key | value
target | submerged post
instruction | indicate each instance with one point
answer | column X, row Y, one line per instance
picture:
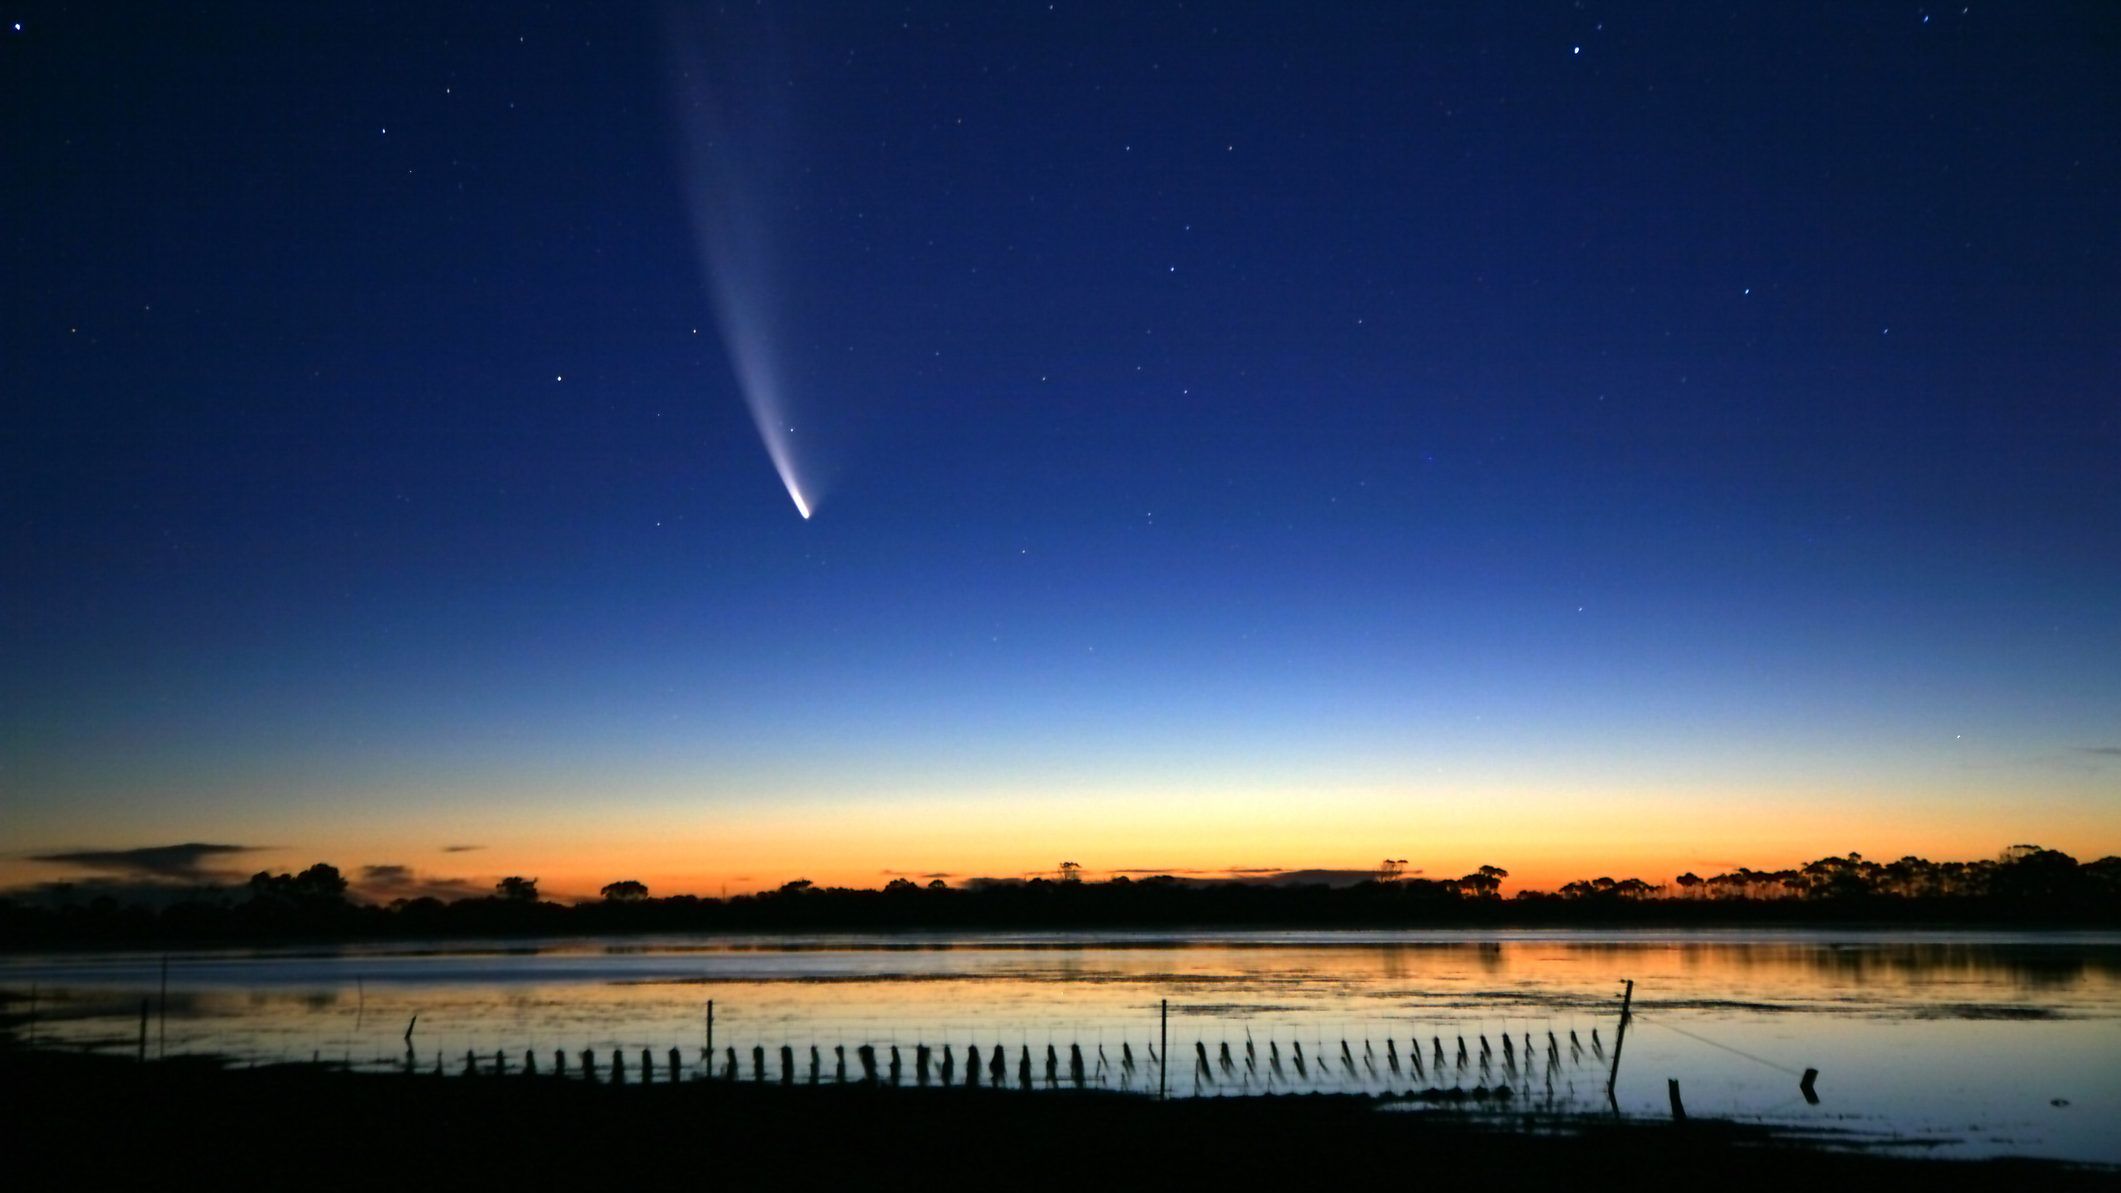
column 1804, row 1086
column 710, row 1037
column 1671, row 1086
column 1620, row 1039
column 143, row 1030
column 1163, row 1050
column 162, row 1013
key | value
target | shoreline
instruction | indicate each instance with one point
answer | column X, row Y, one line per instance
column 91, row 1115
column 1083, row 935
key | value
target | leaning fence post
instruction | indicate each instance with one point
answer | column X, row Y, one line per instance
column 1671, row 1085
column 1620, row 1038
column 676, row 1064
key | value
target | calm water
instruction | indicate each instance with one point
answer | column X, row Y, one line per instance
column 1970, row 1043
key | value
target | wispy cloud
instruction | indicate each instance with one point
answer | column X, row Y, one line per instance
column 916, row 874
column 460, row 848
column 2102, row 751
column 165, row 863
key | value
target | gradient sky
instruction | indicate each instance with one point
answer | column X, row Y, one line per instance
column 1584, row 438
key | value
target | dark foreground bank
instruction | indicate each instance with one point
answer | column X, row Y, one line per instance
column 74, row 1119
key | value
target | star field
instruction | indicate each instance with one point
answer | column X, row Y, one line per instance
column 1395, row 427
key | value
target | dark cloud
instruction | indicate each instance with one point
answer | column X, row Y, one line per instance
column 460, row 848
column 185, row 863
column 389, row 881
column 130, row 892
column 916, row 874
column 2102, row 751
column 1160, row 870
column 1306, row 877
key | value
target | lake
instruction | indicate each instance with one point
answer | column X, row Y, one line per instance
column 1962, row 1043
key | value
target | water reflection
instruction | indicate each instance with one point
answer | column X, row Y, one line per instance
column 1927, row 1035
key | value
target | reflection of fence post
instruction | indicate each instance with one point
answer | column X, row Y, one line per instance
column 1163, row 1050
column 143, row 1030
column 162, row 1013
column 1620, row 1039
column 710, row 1037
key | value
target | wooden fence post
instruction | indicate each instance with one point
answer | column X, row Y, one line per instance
column 1163, row 1050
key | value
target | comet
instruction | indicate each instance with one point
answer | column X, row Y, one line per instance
column 733, row 149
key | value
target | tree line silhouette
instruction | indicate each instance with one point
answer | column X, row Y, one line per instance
column 2026, row 885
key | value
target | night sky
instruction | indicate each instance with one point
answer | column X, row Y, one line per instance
column 1585, row 438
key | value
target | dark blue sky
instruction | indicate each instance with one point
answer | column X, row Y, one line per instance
column 1396, row 424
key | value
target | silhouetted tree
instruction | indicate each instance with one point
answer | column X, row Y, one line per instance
column 625, row 891
column 320, row 884
column 516, row 889
column 1485, row 883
